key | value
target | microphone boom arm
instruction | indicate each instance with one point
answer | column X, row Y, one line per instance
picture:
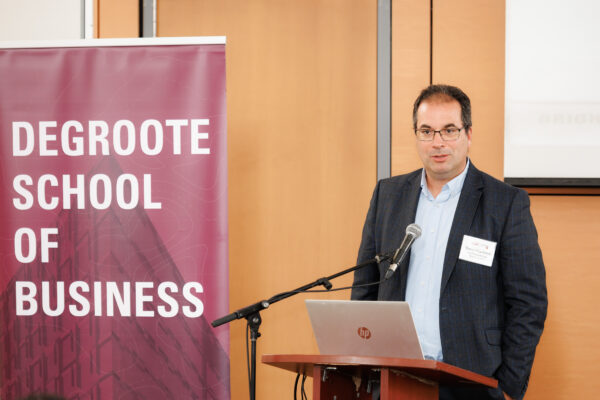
column 325, row 282
column 252, row 312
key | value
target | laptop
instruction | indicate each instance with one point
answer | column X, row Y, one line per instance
column 364, row 328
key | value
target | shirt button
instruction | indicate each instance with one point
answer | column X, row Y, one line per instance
column 428, row 257
column 422, row 283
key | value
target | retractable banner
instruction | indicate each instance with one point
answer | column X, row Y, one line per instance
column 113, row 229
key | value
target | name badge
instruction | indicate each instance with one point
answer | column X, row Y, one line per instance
column 479, row 251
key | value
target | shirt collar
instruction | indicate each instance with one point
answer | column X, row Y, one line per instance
column 454, row 186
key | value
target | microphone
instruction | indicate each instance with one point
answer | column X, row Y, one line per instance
column 413, row 231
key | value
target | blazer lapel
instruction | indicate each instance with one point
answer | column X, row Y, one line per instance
column 410, row 194
column 463, row 218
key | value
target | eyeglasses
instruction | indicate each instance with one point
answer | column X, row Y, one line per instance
column 447, row 134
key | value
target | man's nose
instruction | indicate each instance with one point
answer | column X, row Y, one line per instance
column 437, row 139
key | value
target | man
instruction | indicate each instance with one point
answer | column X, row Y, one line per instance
column 475, row 279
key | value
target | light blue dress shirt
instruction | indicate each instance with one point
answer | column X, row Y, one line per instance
column 434, row 216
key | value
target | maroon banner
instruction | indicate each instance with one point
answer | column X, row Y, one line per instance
column 113, row 229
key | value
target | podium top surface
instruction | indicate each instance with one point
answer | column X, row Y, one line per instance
column 427, row 369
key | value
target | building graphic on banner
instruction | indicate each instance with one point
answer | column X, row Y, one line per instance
column 93, row 357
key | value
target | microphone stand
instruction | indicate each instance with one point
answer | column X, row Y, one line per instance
column 252, row 312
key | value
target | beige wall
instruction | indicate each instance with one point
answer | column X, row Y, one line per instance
column 301, row 130
column 116, row 18
column 566, row 364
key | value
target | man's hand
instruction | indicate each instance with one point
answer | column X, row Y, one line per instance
column 507, row 397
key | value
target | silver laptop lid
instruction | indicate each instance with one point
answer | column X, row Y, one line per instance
column 364, row 328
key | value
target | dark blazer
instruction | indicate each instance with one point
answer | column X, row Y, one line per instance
column 491, row 318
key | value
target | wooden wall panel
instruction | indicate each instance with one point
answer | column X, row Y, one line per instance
column 468, row 52
column 96, row 19
column 301, row 116
column 566, row 366
column 116, row 18
column 301, row 98
column 410, row 74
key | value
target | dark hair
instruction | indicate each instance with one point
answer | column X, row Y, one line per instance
column 450, row 92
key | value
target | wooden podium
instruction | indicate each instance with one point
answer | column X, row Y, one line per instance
column 346, row 377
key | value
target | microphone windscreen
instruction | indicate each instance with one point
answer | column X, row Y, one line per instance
column 413, row 229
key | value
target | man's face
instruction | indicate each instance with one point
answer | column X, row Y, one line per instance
column 443, row 160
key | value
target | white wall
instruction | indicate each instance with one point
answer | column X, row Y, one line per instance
column 41, row 19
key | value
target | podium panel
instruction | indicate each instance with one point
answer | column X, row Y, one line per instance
column 342, row 377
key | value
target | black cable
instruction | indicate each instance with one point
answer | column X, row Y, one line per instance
column 325, row 280
column 304, row 396
column 332, row 290
column 296, row 385
column 343, row 288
